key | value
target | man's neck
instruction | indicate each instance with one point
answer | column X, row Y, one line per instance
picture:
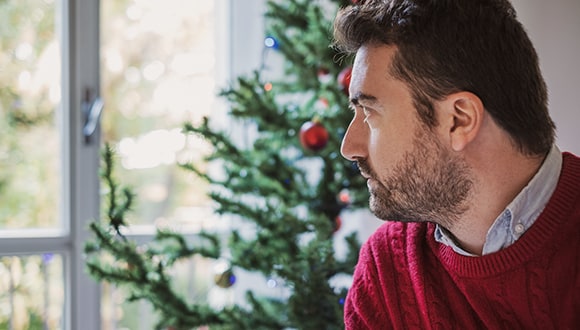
column 495, row 186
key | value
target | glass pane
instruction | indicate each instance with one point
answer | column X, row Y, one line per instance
column 29, row 99
column 158, row 71
column 31, row 292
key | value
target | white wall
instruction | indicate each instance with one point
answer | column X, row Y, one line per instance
column 554, row 27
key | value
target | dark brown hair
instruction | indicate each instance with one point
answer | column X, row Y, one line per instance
column 446, row 46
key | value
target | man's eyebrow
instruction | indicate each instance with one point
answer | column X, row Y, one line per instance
column 358, row 97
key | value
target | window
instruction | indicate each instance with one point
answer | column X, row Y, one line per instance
column 32, row 267
column 154, row 67
column 158, row 62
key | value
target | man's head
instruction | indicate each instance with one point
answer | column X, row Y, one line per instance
column 411, row 174
column 428, row 77
column 447, row 46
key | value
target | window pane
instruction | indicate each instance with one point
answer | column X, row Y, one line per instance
column 158, row 71
column 31, row 292
column 29, row 98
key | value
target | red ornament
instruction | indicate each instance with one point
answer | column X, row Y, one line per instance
column 344, row 79
column 324, row 75
column 322, row 103
column 344, row 197
column 313, row 135
column 322, row 71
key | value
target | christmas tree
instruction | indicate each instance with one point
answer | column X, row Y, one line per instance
column 289, row 186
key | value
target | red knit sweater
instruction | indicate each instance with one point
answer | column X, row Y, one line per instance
column 406, row 280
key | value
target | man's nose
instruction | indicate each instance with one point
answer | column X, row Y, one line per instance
column 354, row 143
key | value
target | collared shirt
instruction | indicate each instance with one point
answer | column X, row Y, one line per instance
column 521, row 213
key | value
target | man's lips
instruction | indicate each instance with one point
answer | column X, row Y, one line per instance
column 364, row 169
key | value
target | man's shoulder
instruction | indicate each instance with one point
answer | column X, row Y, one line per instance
column 571, row 159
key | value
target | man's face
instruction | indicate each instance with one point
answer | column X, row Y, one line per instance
column 411, row 176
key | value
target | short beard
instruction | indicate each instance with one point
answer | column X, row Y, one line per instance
column 428, row 185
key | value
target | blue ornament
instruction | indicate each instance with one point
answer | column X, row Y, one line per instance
column 270, row 42
column 232, row 279
column 224, row 276
column 47, row 258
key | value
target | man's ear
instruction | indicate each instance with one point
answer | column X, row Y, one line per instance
column 462, row 119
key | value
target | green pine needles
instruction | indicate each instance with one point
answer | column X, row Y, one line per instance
column 287, row 193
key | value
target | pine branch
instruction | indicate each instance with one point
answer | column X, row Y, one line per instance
column 174, row 247
column 117, row 206
column 143, row 271
column 267, row 185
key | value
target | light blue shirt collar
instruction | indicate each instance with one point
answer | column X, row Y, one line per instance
column 521, row 213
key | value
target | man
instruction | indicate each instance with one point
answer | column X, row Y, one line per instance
column 452, row 132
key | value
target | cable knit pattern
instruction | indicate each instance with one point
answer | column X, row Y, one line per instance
column 406, row 280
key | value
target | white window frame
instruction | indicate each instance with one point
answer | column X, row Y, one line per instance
column 81, row 160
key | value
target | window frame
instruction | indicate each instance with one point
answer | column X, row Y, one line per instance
column 81, row 71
